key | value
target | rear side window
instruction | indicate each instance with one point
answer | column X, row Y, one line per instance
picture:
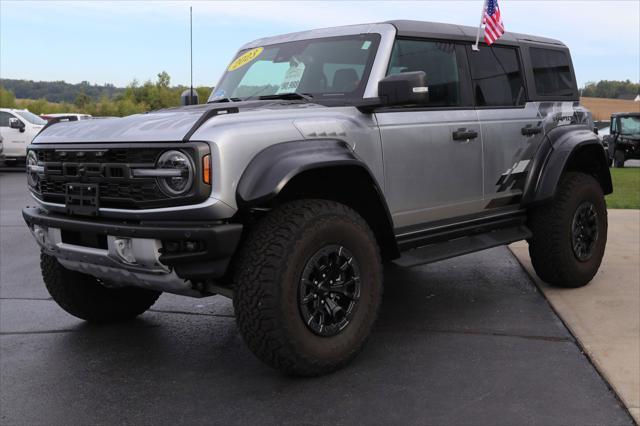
column 438, row 61
column 497, row 77
column 551, row 72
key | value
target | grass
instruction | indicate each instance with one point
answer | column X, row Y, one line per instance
column 626, row 189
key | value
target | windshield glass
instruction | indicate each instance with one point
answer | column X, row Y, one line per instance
column 630, row 125
column 31, row 118
column 328, row 68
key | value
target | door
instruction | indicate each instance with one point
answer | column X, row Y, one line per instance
column 432, row 153
column 14, row 141
column 511, row 128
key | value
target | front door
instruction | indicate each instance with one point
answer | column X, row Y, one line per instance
column 14, row 141
column 432, row 153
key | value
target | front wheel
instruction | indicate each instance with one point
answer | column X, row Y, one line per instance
column 308, row 287
column 570, row 232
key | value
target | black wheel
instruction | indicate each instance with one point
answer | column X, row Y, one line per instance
column 308, row 287
column 570, row 232
column 83, row 296
column 618, row 158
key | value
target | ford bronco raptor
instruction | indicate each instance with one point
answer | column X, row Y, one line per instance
column 318, row 157
column 623, row 142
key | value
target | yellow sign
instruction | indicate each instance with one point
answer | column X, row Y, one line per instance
column 245, row 58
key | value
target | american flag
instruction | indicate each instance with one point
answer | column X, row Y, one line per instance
column 493, row 27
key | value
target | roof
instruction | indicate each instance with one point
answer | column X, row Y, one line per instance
column 404, row 28
column 425, row 29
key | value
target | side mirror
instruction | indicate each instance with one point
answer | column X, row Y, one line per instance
column 14, row 123
column 407, row 88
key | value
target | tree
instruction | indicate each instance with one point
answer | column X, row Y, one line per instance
column 7, row 99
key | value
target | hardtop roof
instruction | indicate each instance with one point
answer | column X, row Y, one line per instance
column 423, row 29
column 408, row 28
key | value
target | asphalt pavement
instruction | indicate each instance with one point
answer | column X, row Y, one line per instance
column 464, row 341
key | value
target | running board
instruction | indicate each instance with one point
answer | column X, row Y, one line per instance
column 446, row 249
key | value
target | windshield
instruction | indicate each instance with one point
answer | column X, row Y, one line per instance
column 31, row 118
column 630, row 125
column 328, row 68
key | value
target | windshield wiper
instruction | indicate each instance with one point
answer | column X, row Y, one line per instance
column 220, row 100
column 292, row 95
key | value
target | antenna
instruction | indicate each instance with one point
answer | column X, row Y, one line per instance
column 191, row 54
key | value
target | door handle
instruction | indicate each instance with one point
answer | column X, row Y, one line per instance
column 530, row 131
column 464, row 135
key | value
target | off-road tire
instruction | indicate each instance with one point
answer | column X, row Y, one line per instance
column 83, row 296
column 550, row 248
column 618, row 158
column 267, row 284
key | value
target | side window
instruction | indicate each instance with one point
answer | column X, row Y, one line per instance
column 438, row 60
column 497, row 78
column 614, row 125
column 4, row 119
column 551, row 72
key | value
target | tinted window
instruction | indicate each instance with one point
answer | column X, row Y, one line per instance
column 4, row 118
column 497, row 78
column 437, row 60
column 551, row 72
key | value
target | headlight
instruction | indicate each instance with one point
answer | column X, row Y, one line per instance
column 182, row 181
column 32, row 163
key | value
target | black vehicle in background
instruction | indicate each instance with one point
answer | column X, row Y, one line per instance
column 624, row 139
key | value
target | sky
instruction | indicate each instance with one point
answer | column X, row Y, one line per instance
column 119, row 41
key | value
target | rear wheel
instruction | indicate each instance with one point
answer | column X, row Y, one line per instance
column 83, row 296
column 308, row 287
column 570, row 232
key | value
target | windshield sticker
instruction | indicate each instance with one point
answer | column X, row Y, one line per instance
column 245, row 58
column 292, row 77
column 219, row 93
column 366, row 45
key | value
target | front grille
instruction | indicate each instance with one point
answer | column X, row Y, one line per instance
column 110, row 168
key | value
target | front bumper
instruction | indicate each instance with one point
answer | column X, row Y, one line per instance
column 91, row 246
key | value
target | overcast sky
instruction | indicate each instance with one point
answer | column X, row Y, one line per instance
column 117, row 41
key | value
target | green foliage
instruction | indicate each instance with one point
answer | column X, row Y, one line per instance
column 611, row 89
column 626, row 189
column 7, row 99
column 58, row 91
column 133, row 99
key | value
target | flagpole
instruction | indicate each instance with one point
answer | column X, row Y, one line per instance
column 475, row 46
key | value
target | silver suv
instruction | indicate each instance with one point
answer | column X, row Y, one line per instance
column 319, row 156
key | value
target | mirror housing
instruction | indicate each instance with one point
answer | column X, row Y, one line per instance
column 14, row 123
column 189, row 97
column 407, row 88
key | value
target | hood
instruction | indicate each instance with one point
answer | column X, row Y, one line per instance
column 167, row 125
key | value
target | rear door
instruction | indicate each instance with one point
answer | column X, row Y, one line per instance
column 432, row 153
column 511, row 128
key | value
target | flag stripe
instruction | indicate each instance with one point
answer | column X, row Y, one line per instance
column 493, row 26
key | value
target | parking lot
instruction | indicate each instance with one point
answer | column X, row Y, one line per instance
column 465, row 341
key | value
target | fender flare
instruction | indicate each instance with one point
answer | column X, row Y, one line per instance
column 556, row 151
column 268, row 173
column 275, row 166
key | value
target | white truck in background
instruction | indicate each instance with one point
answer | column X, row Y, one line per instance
column 18, row 127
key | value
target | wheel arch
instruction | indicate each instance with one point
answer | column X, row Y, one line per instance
column 325, row 169
column 564, row 149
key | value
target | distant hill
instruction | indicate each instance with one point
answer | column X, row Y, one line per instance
column 58, row 91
